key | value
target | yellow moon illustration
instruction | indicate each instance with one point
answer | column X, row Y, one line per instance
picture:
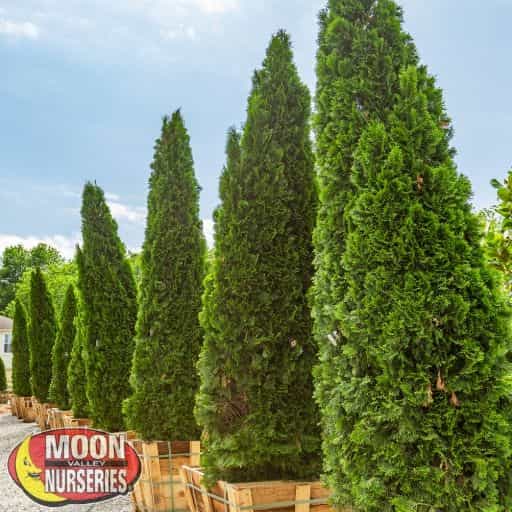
column 29, row 475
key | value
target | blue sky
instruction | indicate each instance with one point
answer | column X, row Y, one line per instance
column 85, row 83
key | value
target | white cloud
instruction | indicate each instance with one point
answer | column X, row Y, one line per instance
column 181, row 32
column 65, row 245
column 216, row 6
column 112, row 197
column 208, row 229
column 122, row 212
column 19, row 29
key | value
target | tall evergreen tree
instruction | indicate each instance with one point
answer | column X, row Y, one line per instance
column 110, row 306
column 62, row 351
column 255, row 400
column 77, row 375
column 169, row 337
column 42, row 332
column 419, row 414
column 362, row 49
column 20, row 353
column 3, row 376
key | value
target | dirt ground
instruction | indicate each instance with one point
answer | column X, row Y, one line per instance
column 12, row 498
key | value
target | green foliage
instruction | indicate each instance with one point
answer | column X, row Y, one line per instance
column 61, row 354
column 20, row 353
column 77, row 377
column 58, row 277
column 42, row 333
column 15, row 261
column 3, row 376
column 418, row 417
column 255, row 399
column 498, row 239
column 109, row 298
column 164, row 377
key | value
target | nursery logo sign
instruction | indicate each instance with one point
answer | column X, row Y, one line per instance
column 74, row 465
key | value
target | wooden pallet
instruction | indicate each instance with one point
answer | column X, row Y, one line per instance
column 70, row 421
column 160, row 488
column 275, row 496
column 56, row 417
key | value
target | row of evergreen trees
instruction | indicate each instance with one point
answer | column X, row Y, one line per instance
column 377, row 266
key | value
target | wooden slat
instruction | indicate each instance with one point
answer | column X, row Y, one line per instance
column 302, row 493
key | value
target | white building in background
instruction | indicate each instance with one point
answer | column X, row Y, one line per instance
column 6, row 341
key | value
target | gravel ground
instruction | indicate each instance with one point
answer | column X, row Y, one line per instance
column 12, row 498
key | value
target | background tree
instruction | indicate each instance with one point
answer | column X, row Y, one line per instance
column 254, row 401
column 3, row 376
column 420, row 411
column 61, row 354
column 498, row 239
column 169, row 337
column 77, row 376
column 42, row 331
column 110, row 307
column 15, row 261
column 58, row 276
column 20, row 353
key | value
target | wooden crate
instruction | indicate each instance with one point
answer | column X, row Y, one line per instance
column 275, row 496
column 14, row 405
column 160, row 488
column 5, row 397
column 56, row 417
column 42, row 418
column 26, row 409
column 70, row 421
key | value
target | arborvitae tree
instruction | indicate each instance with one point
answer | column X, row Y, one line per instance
column 255, row 400
column 42, row 336
column 62, row 351
column 110, row 308
column 77, row 376
column 20, row 353
column 419, row 414
column 362, row 49
column 164, row 376
column 3, row 376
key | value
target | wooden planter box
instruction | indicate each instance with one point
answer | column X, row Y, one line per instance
column 25, row 409
column 5, row 397
column 276, row 496
column 14, row 405
column 70, row 421
column 56, row 417
column 42, row 419
column 160, row 488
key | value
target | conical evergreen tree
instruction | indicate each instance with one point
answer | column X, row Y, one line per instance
column 77, row 376
column 20, row 353
column 362, row 49
column 62, row 351
column 255, row 400
column 42, row 336
column 419, row 414
column 169, row 337
column 110, row 308
column 3, row 376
